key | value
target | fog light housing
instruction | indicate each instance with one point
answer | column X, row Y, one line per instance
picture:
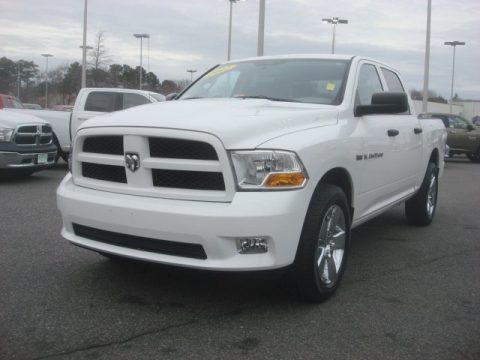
column 252, row 245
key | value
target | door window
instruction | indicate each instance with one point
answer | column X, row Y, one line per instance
column 368, row 84
column 393, row 82
column 131, row 100
column 457, row 122
column 102, row 101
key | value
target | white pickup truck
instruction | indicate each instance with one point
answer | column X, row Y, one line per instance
column 90, row 102
column 262, row 163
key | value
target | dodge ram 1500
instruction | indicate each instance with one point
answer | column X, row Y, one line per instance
column 262, row 163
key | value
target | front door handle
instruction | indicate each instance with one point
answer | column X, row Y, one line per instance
column 393, row 132
column 417, row 130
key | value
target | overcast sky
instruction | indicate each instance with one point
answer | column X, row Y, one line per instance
column 192, row 34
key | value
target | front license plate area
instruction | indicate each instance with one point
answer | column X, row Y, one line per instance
column 42, row 158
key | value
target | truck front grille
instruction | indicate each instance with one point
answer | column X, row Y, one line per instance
column 200, row 180
column 194, row 251
column 181, row 149
column 104, row 172
column 167, row 163
column 104, row 145
column 33, row 135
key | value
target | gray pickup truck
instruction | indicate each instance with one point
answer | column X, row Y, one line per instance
column 26, row 144
column 463, row 137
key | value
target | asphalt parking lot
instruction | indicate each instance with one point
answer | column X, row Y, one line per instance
column 408, row 293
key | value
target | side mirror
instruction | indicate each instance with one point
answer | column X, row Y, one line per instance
column 470, row 127
column 384, row 103
column 171, row 96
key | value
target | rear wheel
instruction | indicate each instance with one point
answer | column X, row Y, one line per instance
column 324, row 242
column 420, row 209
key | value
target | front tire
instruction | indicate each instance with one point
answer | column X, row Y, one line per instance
column 475, row 157
column 420, row 209
column 323, row 247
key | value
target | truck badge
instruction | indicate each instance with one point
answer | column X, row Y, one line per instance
column 132, row 161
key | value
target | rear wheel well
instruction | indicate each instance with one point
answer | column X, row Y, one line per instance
column 341, row 178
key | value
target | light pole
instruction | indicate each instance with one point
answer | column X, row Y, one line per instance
column 141, row 37
column 46, row 78
column 84, row 64
column 18, row 80
column 261, row 28
column 191, row 71
column 454, row 44
column 84, row 47
column 427, row 60
column 230, row 28
column 334, row 21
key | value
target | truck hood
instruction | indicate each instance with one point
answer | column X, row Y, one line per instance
column 11, row 119
column 238, row 123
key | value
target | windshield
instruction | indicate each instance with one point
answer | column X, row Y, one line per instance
column 317, row 81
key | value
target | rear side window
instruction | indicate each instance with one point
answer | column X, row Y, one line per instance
column 131, row 100
column 368, row 84
column 393, row 82
column 103, row 101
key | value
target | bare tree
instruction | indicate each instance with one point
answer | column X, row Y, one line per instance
column 99, row 58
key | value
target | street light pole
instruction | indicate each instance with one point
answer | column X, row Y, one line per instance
column 229, row 51
column 141, row 37
column 18, row 80
column 427, row 60
column 191, row 71
column 454, row 44
column 84, row 47
column 46, row 78
column 261, row 28
column 334, row 21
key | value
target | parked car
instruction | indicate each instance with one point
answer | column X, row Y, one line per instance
column 26, row 144
column 463, row 137
column 262, row 163
column 90, row 102
column 9, row 101
column 32, row 106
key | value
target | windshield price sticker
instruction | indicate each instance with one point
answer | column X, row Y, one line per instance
column 220, row 70
column 330, row 87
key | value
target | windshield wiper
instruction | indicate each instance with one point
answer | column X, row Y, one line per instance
column 266, row 98
column 191, row 98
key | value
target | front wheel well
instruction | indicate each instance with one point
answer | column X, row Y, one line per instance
column 435, row 157
column 340, row 177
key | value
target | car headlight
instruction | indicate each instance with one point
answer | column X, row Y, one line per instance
column 268, row 170
column 6, row 134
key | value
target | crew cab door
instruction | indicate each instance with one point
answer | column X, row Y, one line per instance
column 392, row 151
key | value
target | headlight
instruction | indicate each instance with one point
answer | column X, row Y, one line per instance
column 268, row 170
column 6, row 134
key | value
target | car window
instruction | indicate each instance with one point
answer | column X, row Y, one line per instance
column 393, row 82
column 102, row 101
column 368, row 84
column 457, row 122
column 131, row 100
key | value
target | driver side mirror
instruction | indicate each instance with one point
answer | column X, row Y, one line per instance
column 384, row 103
column 470, row 127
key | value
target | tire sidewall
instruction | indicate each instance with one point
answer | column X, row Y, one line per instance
column 307, row 276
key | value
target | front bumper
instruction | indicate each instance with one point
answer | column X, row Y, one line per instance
column 31, row 159
column 215, row 226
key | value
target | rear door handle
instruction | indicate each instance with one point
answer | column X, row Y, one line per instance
column 417, row 130
column 82, row 118
column 393, row 132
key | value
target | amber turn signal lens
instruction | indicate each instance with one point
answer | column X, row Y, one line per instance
column 294, row 179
